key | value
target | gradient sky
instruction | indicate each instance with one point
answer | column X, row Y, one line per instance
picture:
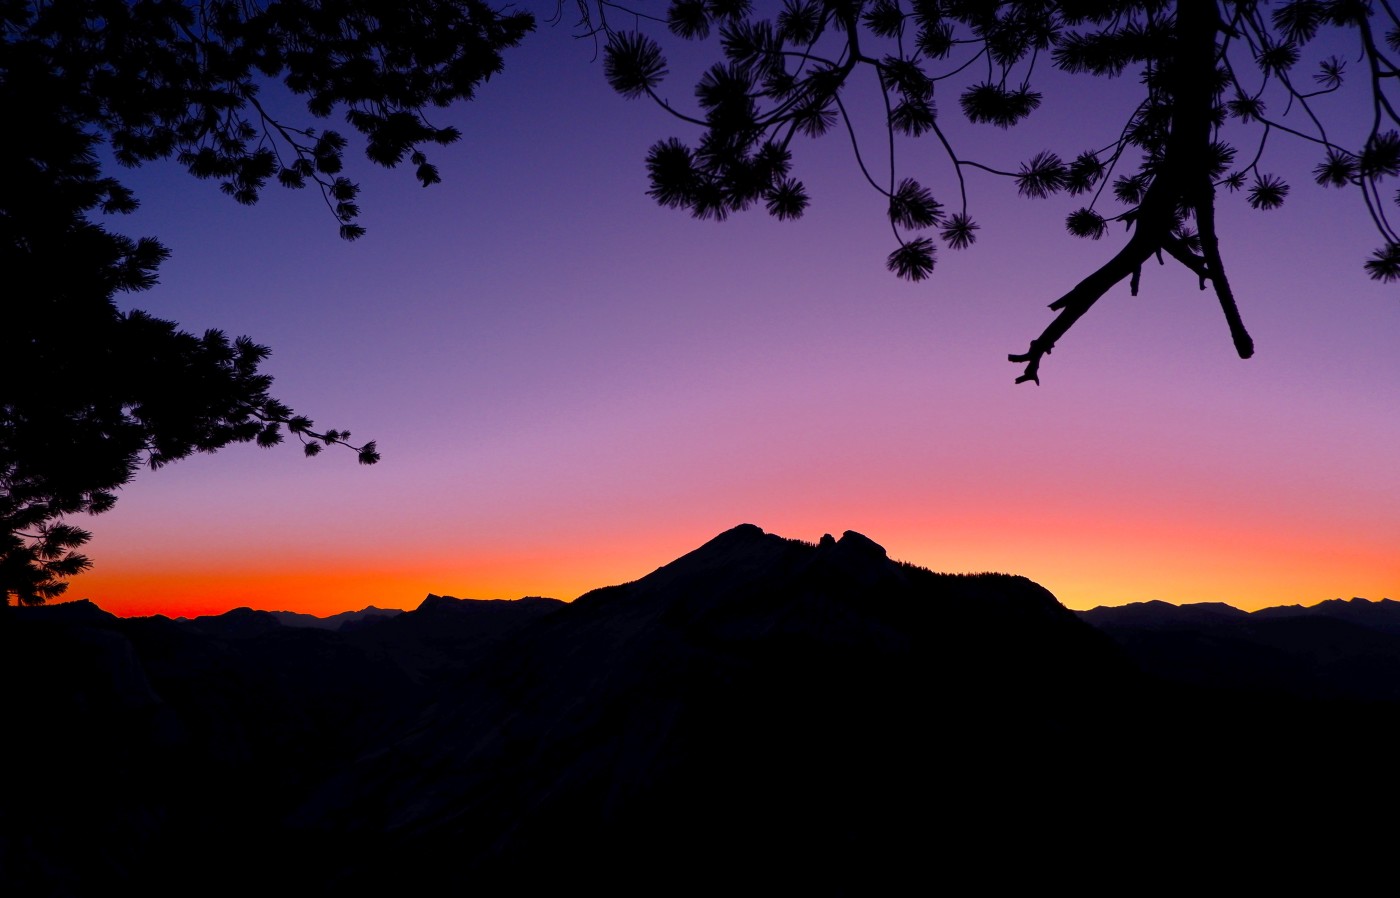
column 571, row 386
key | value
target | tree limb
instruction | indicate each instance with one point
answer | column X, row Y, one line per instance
column 1182, row 180
column 1210, row 250
column 1082, row 297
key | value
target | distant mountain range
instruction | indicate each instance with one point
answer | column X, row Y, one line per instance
column 1333, row 650
column 759, row 714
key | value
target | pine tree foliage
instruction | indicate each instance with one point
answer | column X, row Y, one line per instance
column 160, row 79
column 1218, row 80
column 90, row 392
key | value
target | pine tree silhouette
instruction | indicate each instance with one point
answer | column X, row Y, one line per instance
column 90, row 392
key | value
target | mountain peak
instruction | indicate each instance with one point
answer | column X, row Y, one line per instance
column 743, row 533
column 861, row 545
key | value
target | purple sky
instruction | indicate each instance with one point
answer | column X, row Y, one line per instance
column 571, row 385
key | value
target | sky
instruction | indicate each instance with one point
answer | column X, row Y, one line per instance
column 572, row 386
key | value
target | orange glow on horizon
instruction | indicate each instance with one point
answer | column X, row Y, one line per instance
column 1085, row 561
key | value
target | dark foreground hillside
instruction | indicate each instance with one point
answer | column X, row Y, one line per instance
column 761, row 713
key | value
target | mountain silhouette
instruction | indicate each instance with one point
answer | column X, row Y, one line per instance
column 1382, row 615
column 444, row 634
column 761, row 712
column 1342, row 650
column 757, row 702
column 335, row 621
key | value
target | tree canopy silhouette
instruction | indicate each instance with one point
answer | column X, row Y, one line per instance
column 91, row 392
column 1218, row 79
